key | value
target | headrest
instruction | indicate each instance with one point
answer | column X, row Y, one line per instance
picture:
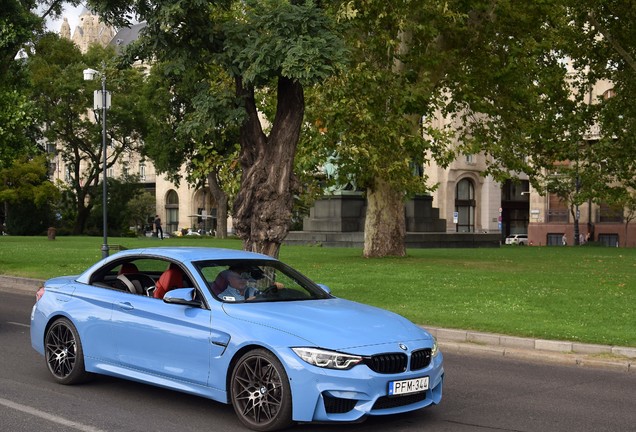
column 127, row 268
column 220, row 283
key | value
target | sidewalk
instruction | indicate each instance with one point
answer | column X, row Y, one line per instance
column 469, row 342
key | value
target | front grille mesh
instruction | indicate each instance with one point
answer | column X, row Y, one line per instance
column 390, row 363
column 386, row 402
column 420, row 359
column 387, row 363
column 334, row 405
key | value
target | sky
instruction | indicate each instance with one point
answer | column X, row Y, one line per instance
column 70, row 12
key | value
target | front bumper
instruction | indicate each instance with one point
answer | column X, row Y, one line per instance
column 325, row 395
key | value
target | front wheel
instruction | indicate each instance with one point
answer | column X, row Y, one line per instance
column 261, row 395
column 63, row 351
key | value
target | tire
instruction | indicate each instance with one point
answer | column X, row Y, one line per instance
column 260, row 392
column 63, row 353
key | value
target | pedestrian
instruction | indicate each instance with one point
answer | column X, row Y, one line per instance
column 158, row 229
column 564, row 240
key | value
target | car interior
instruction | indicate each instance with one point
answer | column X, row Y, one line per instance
column 142, row 277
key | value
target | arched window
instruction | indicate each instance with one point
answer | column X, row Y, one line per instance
column 465, row 206
column 203, row 207
column 172, row 211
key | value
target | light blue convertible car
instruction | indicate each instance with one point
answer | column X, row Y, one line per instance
column 238, row 328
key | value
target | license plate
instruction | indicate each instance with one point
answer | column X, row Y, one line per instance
column 415, row 385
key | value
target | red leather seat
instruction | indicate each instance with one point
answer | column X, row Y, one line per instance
column 170, row 279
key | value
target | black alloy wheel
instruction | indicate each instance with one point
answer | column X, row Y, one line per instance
column 261, row 394
column 63, row 352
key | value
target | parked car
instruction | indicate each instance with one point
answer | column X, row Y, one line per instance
column 291, row 352
column 517, row 239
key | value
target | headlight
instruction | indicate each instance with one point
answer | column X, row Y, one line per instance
column 435, row 349
column 327, row 359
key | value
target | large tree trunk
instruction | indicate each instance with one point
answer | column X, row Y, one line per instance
column 384, row 226
column 83, row 213
column 263, row 207
column 385, row 223
column 220, row 197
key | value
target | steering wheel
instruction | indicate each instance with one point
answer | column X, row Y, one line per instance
column 270, row 291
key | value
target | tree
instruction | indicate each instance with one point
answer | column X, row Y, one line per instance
column 21, row 24
column 63, row 99
column 121, row 193
column 141, row 209
column 481, row 76
column 513, row 79
column 270, row 49
column 26, row 187
column 603, row 50
column 180, row 132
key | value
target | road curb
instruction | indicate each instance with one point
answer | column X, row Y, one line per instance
column 559, row 352
column 609, row 357
column 15, row 283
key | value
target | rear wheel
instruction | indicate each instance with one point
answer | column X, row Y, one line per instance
column 260, row 392
column 63, row 352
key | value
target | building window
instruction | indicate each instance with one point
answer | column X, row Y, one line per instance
column 469, row 158
column 607, row 94
column 465, row 206
column 608, row 240
column 610, row 214
column 142, row 170
column 172, row 211
column 555, row 239
column 557, row 209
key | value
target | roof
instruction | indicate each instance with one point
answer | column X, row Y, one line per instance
column 193, row 253
column 127, row 35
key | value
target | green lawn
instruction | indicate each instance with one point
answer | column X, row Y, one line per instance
column 585, row 294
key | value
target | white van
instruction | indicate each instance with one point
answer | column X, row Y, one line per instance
column 517, row 239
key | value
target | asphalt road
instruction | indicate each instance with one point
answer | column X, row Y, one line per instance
column 482, row 393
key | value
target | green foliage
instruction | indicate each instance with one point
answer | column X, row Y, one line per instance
column 15, row 117
column 279, row 37
column 27, row 180
column 62, row 99
column 121, row 193
column 141, row 209
column 28, row 194
column 20, row 26
column 26, row 218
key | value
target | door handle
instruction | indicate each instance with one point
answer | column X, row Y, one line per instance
column 125, row 306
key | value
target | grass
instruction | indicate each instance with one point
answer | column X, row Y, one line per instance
column 584, row 294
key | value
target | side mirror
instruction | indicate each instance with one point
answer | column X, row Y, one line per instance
column 182, row 296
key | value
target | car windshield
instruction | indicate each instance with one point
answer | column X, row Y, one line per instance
column 257, row 281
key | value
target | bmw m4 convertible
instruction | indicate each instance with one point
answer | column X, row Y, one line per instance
column 239, row 328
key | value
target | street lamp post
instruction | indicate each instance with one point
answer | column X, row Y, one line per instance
column 101, row 101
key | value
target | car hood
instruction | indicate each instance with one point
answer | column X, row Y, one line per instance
column 332, row 323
